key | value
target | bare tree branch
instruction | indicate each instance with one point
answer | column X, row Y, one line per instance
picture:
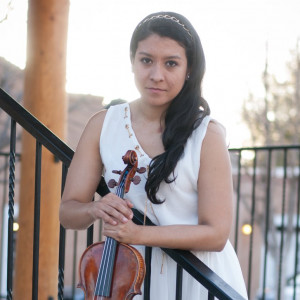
column 9, row 7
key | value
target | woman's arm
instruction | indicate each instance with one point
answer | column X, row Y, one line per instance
column 214, row 206
column 77, row 211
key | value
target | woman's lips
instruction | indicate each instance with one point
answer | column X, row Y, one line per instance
column 155, row 90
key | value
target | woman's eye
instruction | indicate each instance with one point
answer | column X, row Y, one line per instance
column 171, row 63
column 146, row 60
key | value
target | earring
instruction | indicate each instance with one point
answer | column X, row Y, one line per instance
column 188, row 76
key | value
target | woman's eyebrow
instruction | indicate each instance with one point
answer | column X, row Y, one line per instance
column 144, row 53
column 167, row 57
column 174, row 57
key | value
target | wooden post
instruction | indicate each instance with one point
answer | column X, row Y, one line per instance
column 45, row 98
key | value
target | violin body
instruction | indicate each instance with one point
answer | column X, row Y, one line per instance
column 129, row 270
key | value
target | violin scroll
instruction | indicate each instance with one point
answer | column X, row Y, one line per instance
column 131, row 159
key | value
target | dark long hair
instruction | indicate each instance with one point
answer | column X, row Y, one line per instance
column 188, row 108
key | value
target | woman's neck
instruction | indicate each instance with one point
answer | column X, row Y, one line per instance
column 141, row 111
column 148, row 126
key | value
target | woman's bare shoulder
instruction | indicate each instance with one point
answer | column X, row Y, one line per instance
column 98, row 118
column 216, row 130
column 95, row 123
column 214, row 152
column 93, row 127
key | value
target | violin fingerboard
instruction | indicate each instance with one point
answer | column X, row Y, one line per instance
column 104, row 280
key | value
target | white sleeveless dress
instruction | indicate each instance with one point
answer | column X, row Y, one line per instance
column 180, row 206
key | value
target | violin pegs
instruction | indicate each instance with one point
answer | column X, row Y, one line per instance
column 141, row 170
column 117, row 172
column 112, row 183
column 136, row 180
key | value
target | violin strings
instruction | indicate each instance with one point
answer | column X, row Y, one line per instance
column 107, row 282
column 107, row 261
column 108, row 274
column 103, row 266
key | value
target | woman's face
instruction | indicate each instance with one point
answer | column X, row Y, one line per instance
column 160, row 69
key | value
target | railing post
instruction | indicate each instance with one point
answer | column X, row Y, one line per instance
column 179, row 282
column 238, row 193
column 62, row 244
column 147, row 281
column 3, row 255
column 297, row 231
column 252, row 223
column 37, row 207
column 283, row 203
column 61, row 263
column 267, row 222
column 11, row 195
column 90, row 233
column 210, row 296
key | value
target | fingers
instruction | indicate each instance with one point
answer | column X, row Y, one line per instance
column 129, row 203
column 121, row 232
column 112, row 209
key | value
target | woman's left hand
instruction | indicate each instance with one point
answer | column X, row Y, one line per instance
column 123, row 232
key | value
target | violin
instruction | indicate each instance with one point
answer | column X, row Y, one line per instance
column 112, row 270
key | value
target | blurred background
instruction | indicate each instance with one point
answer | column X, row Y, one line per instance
column 239, row 39
column 65, row 60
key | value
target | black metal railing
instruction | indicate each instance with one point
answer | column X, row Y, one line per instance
column 45, row 138
column 267, row 188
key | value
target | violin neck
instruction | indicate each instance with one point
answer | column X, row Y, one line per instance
column 104, row 280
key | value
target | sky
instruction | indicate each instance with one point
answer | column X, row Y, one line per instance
column 234, row 35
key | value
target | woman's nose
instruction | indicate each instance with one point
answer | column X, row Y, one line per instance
column 157, row 73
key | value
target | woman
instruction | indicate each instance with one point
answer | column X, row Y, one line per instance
column 187, row 190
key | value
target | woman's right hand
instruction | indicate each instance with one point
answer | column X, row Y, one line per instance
column 112, row 209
